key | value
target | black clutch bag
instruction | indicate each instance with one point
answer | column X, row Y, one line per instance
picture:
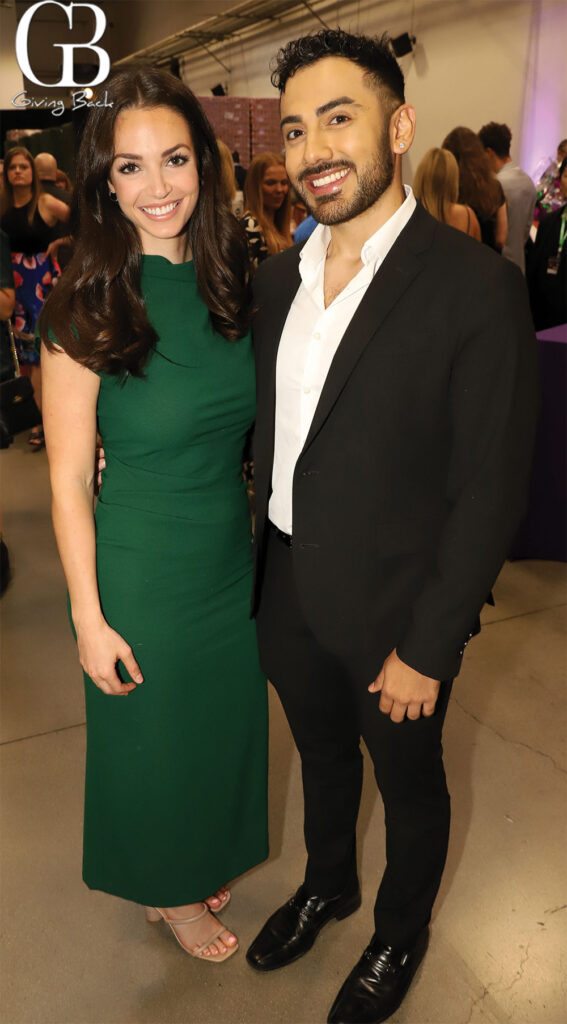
column 18, row 410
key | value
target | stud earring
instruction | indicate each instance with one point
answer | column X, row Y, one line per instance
column 402, row 145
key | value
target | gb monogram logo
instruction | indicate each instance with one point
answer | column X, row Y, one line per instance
column 66, row 80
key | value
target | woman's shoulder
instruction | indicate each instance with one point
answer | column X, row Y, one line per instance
column 465, row 219
column 458, row 216
column 51, row 209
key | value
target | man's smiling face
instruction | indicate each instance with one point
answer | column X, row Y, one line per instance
column 336, row 135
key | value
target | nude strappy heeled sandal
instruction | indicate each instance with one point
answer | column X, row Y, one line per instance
column 224, row 903
column 154, row 914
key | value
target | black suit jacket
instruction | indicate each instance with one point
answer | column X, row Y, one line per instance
column 412, row 479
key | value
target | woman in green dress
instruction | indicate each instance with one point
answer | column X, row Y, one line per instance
column 147, row 334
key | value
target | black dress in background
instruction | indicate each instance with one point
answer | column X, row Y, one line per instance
column 488, row 224
column 548, row 292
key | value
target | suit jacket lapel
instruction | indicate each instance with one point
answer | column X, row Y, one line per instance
column 401, row 266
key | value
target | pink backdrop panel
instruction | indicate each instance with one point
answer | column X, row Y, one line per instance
column 230, row 118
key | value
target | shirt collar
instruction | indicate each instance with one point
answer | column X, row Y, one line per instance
column 375, row 248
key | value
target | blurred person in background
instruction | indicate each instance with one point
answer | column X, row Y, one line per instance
column 436, row 185
column 29, row 221
column 63, row 181
column 268, row 207
column 7, row 302
column 46, row 167
column 549, row 196
column 233, row 196
column 519, row 190
column 239, row 171
column 305, row 229
column 479, row 187
column 298, row 211
column 547, row 264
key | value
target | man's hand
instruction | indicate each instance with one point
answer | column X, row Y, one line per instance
column 403, row 691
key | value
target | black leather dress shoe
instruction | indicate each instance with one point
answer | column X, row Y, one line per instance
column 292, row 930
column 377, row 985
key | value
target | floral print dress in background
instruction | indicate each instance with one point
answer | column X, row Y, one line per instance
column 35, row 274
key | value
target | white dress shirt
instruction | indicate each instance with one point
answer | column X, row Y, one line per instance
column 310, row 338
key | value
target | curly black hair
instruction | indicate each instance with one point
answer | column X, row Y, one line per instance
column 496, row 137
column 373, row 54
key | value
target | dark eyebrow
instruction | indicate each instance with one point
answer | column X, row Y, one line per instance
column 324, row 109
column 136, row 156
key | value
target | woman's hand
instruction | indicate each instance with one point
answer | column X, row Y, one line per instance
column 53, row 247
column 100, row 647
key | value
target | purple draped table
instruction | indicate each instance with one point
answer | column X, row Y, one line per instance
column 543, row 533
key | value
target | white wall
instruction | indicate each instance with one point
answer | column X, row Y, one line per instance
column 475, row 61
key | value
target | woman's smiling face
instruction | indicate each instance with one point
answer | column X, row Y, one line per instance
column 155, row 176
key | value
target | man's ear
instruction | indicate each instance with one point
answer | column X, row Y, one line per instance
column 402, row 129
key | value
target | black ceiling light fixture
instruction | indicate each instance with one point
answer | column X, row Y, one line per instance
column 403, row 44
column 218, row 90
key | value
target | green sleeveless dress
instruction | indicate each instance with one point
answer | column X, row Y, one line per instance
column 176, row 777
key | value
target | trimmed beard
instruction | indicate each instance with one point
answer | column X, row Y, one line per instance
column 374, row 179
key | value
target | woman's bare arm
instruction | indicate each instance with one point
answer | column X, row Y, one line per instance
column 70, row 393
column 7, row 302
column 52, row 210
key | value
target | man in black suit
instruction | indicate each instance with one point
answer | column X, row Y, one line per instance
column 396, row 406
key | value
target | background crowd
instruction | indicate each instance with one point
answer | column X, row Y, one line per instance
column 470, row 182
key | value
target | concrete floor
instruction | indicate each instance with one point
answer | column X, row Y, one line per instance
column 71, row 956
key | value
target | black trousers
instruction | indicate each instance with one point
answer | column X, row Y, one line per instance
column 328, row 707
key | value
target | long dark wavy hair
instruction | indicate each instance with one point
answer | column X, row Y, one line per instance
column 97, row 313
column 478, row 186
